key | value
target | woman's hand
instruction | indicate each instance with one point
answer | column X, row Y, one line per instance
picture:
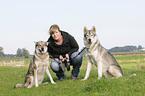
column 67, row 56
column 63, row 59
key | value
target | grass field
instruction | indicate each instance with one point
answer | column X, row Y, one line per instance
column 124, row 86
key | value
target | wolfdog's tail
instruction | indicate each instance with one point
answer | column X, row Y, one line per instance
column 19, row 85
column 132, row 75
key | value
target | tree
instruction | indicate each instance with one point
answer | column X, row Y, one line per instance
column 22, row 52
column 25, row 53
column 1, row 52
column 140, row 47
column 19, row 52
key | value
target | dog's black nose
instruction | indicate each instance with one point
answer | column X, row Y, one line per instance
column 89, row 40
column 42, row 49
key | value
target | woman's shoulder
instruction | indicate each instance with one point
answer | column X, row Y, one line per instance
column 66, row 34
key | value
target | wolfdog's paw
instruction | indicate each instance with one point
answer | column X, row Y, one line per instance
column 53, row 82
column 29, row 86
column 36, row 85
column 45, row 83
column 83, row 79
column 99, row 78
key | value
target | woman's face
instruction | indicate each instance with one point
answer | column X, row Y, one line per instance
column 56, row 35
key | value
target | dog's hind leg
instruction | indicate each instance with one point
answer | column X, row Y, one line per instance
column 115, row 71
column 30, row 82
column 19, row 85
column 107, row 74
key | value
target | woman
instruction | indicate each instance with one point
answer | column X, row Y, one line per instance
column 63, row 46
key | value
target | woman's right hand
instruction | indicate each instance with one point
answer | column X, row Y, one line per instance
column 61, row 58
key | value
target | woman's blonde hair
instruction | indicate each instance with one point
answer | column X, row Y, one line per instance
column 53, row 28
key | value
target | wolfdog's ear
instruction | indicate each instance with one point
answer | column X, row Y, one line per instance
column 36, row 43
column 94, row 29
column 85, row 30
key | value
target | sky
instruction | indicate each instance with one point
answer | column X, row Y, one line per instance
column 118, row 22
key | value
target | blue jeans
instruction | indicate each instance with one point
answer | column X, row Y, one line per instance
column 76, row 63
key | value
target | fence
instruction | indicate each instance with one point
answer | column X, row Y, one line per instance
column 12, row 63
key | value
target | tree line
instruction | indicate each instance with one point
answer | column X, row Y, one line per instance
column 20, row 53
column 126, row 49
column 122, row 49
column 25, row 53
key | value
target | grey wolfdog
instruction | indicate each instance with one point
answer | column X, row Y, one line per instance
column 99, row 56
column 38, row 65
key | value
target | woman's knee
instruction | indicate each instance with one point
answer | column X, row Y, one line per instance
column 54, row 66
column 78, row 59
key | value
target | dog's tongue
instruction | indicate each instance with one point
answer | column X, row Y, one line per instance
column 42, row 51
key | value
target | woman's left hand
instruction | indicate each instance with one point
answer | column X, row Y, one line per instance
column 67, row 56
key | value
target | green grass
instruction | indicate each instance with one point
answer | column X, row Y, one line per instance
column 124, row 86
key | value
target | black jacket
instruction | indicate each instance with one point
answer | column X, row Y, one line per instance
column 68, row 46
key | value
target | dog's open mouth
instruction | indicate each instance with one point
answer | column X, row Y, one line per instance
column 42, row 50
column 89, row 42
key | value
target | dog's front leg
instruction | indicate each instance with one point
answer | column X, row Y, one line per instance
column 35, row 76
column 89, row 66
column 48, row 73
column 99, row 64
